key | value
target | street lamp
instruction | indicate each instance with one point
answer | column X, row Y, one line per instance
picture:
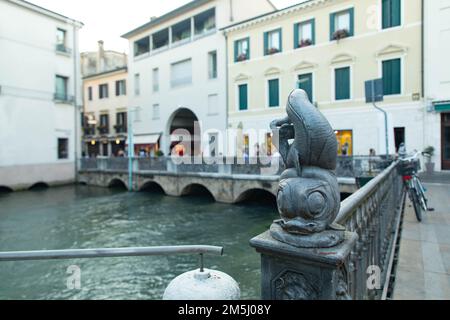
column 131, row 113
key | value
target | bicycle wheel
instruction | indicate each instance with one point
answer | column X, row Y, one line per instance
column 421, row 192
column 416, row 203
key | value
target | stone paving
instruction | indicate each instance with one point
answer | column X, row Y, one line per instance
column 423, row 271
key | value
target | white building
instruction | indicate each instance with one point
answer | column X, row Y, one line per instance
column 437, row 79
column 39, row 94
column 178, row 70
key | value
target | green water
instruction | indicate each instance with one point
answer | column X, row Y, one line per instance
column 86, row 217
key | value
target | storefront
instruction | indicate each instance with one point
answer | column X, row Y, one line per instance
column 345, row 142
column 93, row 148
column 118, row 147
column 146, row 145
column 444, row 109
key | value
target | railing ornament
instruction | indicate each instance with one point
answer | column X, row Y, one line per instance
column 308, row 196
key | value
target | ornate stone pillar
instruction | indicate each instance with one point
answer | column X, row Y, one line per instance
column 305, row 254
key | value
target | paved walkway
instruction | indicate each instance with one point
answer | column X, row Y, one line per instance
column 423, row 271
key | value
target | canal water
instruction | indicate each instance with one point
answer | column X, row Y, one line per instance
column 82, row 217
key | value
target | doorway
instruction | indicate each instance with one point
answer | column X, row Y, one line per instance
column 399, row 135
column 445, row 140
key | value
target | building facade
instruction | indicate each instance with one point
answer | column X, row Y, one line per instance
column 330, row 48
column 177, row 73
column 104, row 119
column 40, row 96
column 437, row 79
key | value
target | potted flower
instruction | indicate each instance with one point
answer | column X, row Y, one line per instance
column 428, row 153
column 242, row 57
column 305, row 43
column 340, row 34
column 273, row 50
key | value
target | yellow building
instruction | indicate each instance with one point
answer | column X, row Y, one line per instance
column 330, row 48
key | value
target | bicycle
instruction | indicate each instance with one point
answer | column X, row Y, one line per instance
column 410, row 166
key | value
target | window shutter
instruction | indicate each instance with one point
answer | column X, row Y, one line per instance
column 296, row 35
column 266, row 43
column 281, row 40
column 236, row 52
column 396, row 13
column 385, row 13
column 305, row 83
column 243, row 97
column 117, row 88
column 248, row 48
column 313, row 31
column 342, row 83
column 332, row 26
column 352, row 21
column 274, row 93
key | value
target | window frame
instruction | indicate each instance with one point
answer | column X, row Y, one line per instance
column 402, row 74
column 100, row 95
column 67, row 145
column 402, row 16
column 238, row 97
column 297, row 33
column 213, row 74
column 236, row 49
column 333, row 83
column 268, row 80
column 267, row 41
column 333, row 15
column 312, row 98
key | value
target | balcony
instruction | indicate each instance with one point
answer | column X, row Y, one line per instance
column 103, row 129
column 89, row 131
column 120, row 128
column 63, row 98
column 205, row 23
column 61, row 48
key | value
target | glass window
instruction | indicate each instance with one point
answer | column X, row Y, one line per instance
column 243, row 97
column 305, row 82
column 205, row 22
column 63, row 148
column 61, row 40
column 272, row 42
column 242, row 50
column 392, row 77
column 181, row 73
column 274, row 93
column 142, row 46
column 155, row 78
column 181, row 31
column 160, row 39
column 137, row 84
column 90, row 97
column 61, row 88
column 121, row 122
column 212, row 65
column 342, row 24
column 342, row 83
column 104, row 124
column 391, row 13
column 121, row 88
column 103, row 91
column 304, row 34
column 155, row 111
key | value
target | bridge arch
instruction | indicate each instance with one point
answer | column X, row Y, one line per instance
column 5, row 189
column 39, row 186
column 152, row 186
column 184, row 121
column 197, row 189
column 117, row 183
column 257, row 195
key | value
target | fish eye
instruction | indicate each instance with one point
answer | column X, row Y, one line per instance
column 316, row 203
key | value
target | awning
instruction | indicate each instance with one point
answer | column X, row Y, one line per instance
column 146, row 139
column 442, row 107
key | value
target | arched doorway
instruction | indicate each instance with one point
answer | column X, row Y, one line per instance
column 184, row 127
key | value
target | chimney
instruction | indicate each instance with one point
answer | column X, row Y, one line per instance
column 100, row 57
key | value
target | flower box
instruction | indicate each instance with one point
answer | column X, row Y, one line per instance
column 305, row 43
column 341, row 34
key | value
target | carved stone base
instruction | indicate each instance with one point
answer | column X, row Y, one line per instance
column 326, row 239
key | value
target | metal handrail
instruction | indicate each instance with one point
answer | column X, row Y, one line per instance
column 108, row 253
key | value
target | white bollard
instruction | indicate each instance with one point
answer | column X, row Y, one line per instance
column 206, row 285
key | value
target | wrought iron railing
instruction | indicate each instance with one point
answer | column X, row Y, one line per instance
column 374, row 214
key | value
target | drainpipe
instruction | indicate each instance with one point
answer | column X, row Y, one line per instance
column 75, row 107
column 226, row 94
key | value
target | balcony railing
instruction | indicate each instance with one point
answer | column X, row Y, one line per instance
column 103, row 129
column 63, row 97
column 63, row 49
column 120, row 128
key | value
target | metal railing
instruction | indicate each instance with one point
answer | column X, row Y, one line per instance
column 374, row 213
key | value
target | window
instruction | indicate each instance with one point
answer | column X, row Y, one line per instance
column 104, row 124
column 305, row 82
column 274, row 93
column 213, row 104
column 392, row 77
column 243, row 97
column 103, row 91
column 272, row 42
column 63, row 148
column 121, row 88
column 155, row 78
column 342, row 24
column 391, row 13
column 205, row 22
column 342, row 83
column 121, row 122
column 160, row 39
column 345, row 142
column 90, row 93
column 137, row 84
column 61, row 88
column 399, row 137
column 181, row 31
column 304, row 34
column 242, row 50
column 181, row 73
column 142, row 46
column 61, row 40
column 212, row 65
column 155, row 111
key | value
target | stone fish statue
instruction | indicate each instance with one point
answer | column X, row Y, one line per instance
column 308, row 196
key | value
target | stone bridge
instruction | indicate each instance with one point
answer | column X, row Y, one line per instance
column 225, row 188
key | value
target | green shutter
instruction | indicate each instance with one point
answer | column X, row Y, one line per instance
column 248, row 48
column 342, row 83
column 396, row 13
column 236, row 51
column 352, row 22
column 392, row 77
column 386, row 13
column 296, row 35
column 305, row 83
column 266, row 43
column 332, row 26
column 243, row 97
column 281, row 40
column 274, row 93
column 313, row 31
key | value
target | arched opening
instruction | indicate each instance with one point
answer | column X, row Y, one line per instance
column 345, row 195
column 197, row 190
column 184, row 127
column 117, row 184
column 39, row 186
column 152, row 187
column 4, row 189
column 257, row 197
